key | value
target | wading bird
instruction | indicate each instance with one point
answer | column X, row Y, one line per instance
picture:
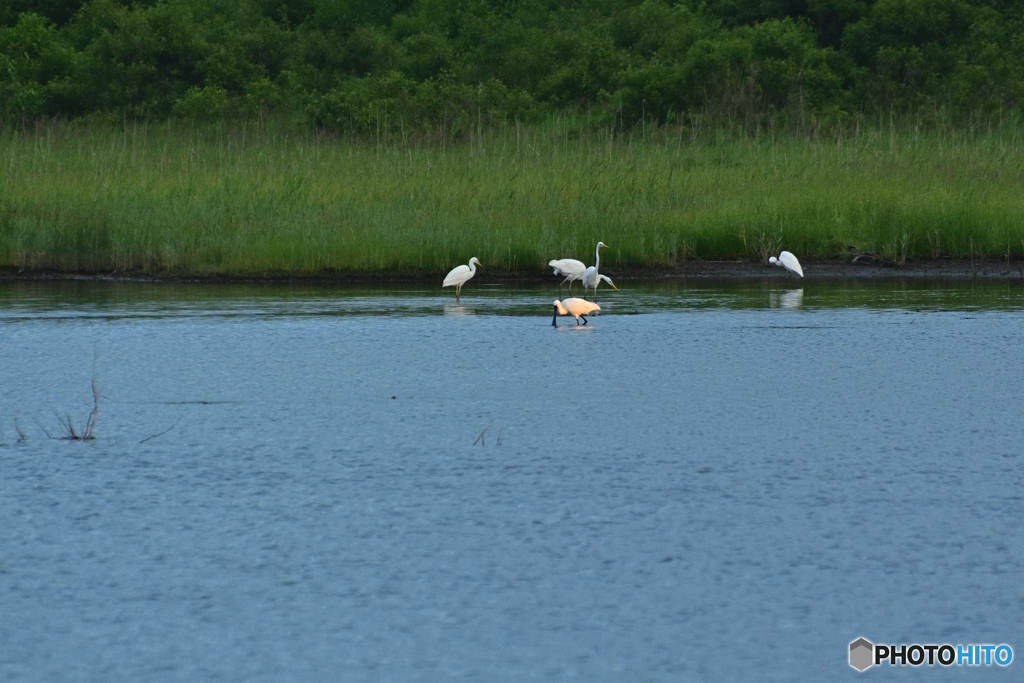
column 591, row 278
column 575, row 270
column 460, row 274
column 578, row 308
column 789, row 262
column 596, row 281
column 570, row 268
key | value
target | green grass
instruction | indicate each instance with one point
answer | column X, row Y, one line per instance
column 165, row 199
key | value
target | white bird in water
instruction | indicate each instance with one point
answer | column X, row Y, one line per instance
column 460, row 274
column 591, row 278
column 570, row 268
column 789, row 262
column 578, row 308
column 597, row 282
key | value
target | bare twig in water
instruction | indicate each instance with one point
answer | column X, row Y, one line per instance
column 91, row 422
column 165, row 431
column 70, row 434
column 480, row 439
column 45, row 430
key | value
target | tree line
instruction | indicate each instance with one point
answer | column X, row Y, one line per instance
column 443, row 67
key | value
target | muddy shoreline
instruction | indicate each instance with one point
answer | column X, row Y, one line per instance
column 940, row 269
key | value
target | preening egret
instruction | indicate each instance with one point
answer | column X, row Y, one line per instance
column 570, row 268
column 789, row 262
column 460, row 274
column 578, row 308
column 591, row 278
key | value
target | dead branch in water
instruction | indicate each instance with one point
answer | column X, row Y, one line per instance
column 70, row 434
column 91, row 422
column 45, row 430
column 165, row 431
column 68, row 426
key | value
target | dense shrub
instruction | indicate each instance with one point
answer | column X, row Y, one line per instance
column 425, row 67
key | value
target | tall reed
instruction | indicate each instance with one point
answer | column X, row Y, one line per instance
column 263, row 200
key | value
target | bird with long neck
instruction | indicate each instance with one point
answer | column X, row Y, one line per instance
column 573, row 270
column 460, row 274
column 591, row 277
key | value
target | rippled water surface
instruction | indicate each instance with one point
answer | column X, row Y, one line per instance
column 706, row 483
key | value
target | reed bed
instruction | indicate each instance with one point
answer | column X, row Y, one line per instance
column 255, row 200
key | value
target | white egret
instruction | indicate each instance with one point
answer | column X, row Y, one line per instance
column 570, row 268
column 789, row 262
column 578, row 308
column 591, row 278
column 460, row 274
column 597, row 282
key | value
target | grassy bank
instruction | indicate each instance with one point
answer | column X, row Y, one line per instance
column 161, row 199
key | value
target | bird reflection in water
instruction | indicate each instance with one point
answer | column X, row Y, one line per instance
column 458, row 309
column 793, row 298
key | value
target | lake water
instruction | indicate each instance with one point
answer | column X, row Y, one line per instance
column 709, row 482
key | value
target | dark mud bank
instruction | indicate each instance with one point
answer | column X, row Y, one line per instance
column 942, row 269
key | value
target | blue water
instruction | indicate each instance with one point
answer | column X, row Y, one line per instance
column 374, row 484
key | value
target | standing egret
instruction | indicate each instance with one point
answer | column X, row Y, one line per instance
column 598, row 281
column 578, row 308
column 789, row 262
column 570, row 268
column 460, row 274
column 591, row 278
